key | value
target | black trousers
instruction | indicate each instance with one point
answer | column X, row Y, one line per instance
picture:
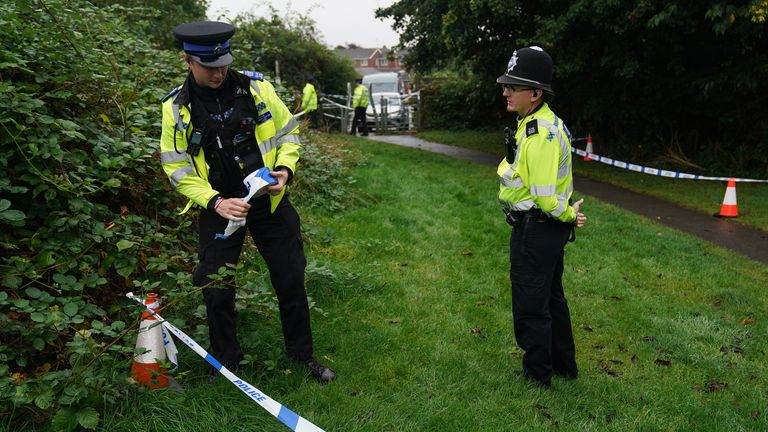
column 278, row 238
column 314, row 120
column 358, row 121
column 541, row 317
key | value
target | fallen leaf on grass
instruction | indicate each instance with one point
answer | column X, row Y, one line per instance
column 587, row 328
column 479, row 331
column 747, row 320
column 395, row 320
column 713, row 386
column 607, row 369
column 732, row 348
column 662, row 362
column 467, row 253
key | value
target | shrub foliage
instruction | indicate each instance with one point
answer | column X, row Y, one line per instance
column 683, row 79
column 85, row 210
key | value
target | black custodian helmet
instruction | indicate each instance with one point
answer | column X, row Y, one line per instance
column 529, row 66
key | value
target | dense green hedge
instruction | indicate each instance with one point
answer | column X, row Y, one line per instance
column 84, row 216
column 656, row 80
column 86, row 213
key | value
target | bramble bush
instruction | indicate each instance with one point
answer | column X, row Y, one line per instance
column 84, row 217
column 85, row 210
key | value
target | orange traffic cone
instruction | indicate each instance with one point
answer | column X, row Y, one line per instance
column 589, row 148
column 728, row 209
column 146, row 367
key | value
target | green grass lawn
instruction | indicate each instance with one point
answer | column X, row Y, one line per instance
column 670, row 331
column 704, row 196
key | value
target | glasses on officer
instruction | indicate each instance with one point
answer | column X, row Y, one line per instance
column 512, row 89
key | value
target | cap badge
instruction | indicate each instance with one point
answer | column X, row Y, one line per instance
column 218, row 49
column 512, row 62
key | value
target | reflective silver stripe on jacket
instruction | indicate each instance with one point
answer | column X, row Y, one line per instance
column 290, row 126
column 177, row 118
column 542, row 190
column 173, row 156
column 562, row 201
column 515, row 183
column 519, row 206
column 180, row 174
column 281, row 137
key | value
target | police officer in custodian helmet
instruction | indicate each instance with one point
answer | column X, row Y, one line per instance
column 535, row 191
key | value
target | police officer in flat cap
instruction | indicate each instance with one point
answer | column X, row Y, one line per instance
column 535, row 189
column 219, row 126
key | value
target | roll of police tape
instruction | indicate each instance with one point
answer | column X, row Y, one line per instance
column 657, row 171
column 278, row 410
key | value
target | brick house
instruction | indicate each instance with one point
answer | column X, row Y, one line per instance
column 372, row 60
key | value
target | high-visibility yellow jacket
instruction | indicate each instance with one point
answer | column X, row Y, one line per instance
column 277, row 137
column 540, row 176
column 360, row 97
column 309, row 100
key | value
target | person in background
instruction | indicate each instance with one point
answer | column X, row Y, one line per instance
column 218, row 127
column 535, row 190
column 309, row 102
column 360, row 104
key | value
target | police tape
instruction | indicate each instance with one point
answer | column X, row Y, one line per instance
column 336, row 96
column 657, row 171
column 278, row 410
column 332, row 116
column 338, row 105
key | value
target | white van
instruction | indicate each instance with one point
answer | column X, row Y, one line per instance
column 384, row 82
column 389, row 86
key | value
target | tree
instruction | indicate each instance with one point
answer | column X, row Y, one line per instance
column 684, row 74
column 295, row 45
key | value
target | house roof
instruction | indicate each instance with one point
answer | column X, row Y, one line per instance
column 360, row 53
column 355, row 53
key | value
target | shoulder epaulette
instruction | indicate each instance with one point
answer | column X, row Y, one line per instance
column 171, row 94
column 531, row 128
column 254, row 75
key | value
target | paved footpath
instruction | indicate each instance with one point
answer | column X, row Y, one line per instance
column 748, row 241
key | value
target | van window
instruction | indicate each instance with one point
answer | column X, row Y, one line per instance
column 384, row 87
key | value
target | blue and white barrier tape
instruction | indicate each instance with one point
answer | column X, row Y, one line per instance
column 338, row 96
column 278, row 410
column 337, row 104
column 657, row 171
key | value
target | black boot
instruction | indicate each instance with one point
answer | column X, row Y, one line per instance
column 320, row 372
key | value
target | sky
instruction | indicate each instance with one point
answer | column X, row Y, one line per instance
column 339, row 21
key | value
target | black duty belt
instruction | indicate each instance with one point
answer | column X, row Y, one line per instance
column 515, row 218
